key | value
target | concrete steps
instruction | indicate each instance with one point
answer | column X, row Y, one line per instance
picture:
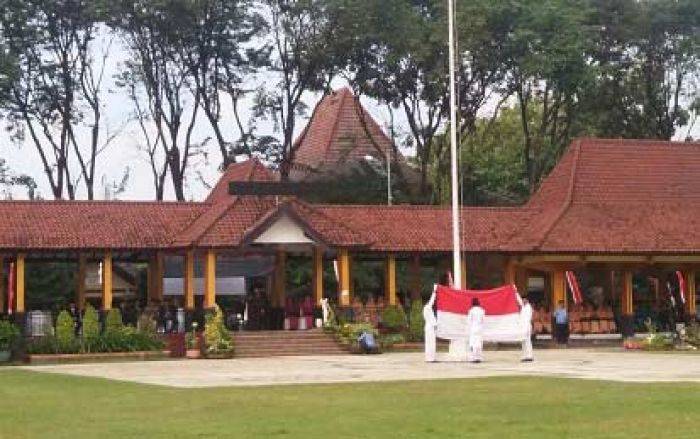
column 285, row 343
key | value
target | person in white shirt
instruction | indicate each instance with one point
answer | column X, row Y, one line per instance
column 429, row 330
column 526, row 325
column 475, row 324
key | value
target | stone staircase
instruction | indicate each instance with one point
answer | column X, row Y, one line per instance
column 285, row 343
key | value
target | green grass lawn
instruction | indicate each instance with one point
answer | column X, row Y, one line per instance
column 35, row 405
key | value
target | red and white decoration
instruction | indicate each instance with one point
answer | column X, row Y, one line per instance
column 502, row 321
column 681, row 285
column 574, row 287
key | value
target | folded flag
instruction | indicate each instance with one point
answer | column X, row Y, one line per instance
column 502, row 320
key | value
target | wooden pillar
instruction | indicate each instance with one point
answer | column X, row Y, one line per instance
column 414, row 276
column 317, row 281
column 3, row 301
column 627, row 304
column 210, row 279
column 390, row 279
column 558, row 287
column 155, row 274
column 80, row 282
column 521, row 280
column 463, row 264
column 509, row 272
column 188, row 280
column 691, row 307
column 107, row 281
column 344, row 277
column 280, row 279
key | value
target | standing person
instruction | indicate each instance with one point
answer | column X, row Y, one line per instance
column 475, row 323
column 561, row 323
column 429, row 330
column 526, row 324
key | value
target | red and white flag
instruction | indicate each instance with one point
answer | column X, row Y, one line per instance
column 681, row 285
column 574, row 287
column 502, row 320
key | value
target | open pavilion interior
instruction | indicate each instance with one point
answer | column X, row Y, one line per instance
column 624, row 215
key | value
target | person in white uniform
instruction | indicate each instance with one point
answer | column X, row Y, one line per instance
column 475, row 324
column 429, row 330
column 526, row 325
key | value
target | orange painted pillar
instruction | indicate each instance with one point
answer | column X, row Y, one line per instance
column 188, row 280
column 691, row 308
column 210, row 279
column 107, row 281
column 344, row 293
column 558, row 287
column 317, row 275
column 390, row 279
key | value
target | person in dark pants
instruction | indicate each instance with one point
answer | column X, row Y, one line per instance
column 561, row 323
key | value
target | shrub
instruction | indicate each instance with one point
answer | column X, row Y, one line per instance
column 389, row 340
column 91, row 328
column 113, row 321
column 217, row 339
column 349, row 332
column 65, row 333
column 9, row 334
column 147, row 324
column 394, row 318
column 416, row 322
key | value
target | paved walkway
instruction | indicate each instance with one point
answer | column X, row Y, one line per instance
column 573, row 363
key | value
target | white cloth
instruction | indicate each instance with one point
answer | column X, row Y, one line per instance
column 429, row 330
column 475, row 325
column 526, row 323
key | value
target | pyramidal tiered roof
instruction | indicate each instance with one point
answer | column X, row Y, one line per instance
column 340, row 131
column 604, row 196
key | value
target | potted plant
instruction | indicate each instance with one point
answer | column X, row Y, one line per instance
column 194, row 350
column 8, row 336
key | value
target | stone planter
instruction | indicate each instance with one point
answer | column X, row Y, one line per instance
column 193, row 354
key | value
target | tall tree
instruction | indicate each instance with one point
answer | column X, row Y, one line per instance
column 55, row 82
column 155, row 70
column 218, row 48
column 302, row 37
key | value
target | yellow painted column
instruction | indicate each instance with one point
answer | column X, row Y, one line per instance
column 558, row 287
column 344, row 277
column 80, row 282
column 19, row 282
column 280, row 279
column 463, row 264
column 210, row 279
column 107, row 281
column 627, row 298
column 414, row 276
column 188, row 280
column 3, row 301
column 390, row 279
column 317, row 280
column 690, row 300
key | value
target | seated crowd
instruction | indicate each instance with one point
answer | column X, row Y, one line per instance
column 583, row 319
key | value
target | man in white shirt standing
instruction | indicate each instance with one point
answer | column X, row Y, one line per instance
column 429, row 330
column 526, row 325
column 475, row 323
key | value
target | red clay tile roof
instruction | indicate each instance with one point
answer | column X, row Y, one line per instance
column 336, row 134
column 619, row 196
column 52, row 225
column 250, row 170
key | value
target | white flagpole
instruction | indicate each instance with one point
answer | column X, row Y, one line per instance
column 456, row 265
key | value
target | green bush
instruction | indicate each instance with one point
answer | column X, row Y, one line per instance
column 349, row 332
column 217, row 339
column 9, row 334
column 113, row 321
column 394, row 318
column 416, row 322
column 91, row 328
column 389, row 340
column 147, row 324
column 65, row 333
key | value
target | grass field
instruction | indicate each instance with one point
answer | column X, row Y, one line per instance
column 34, row 405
